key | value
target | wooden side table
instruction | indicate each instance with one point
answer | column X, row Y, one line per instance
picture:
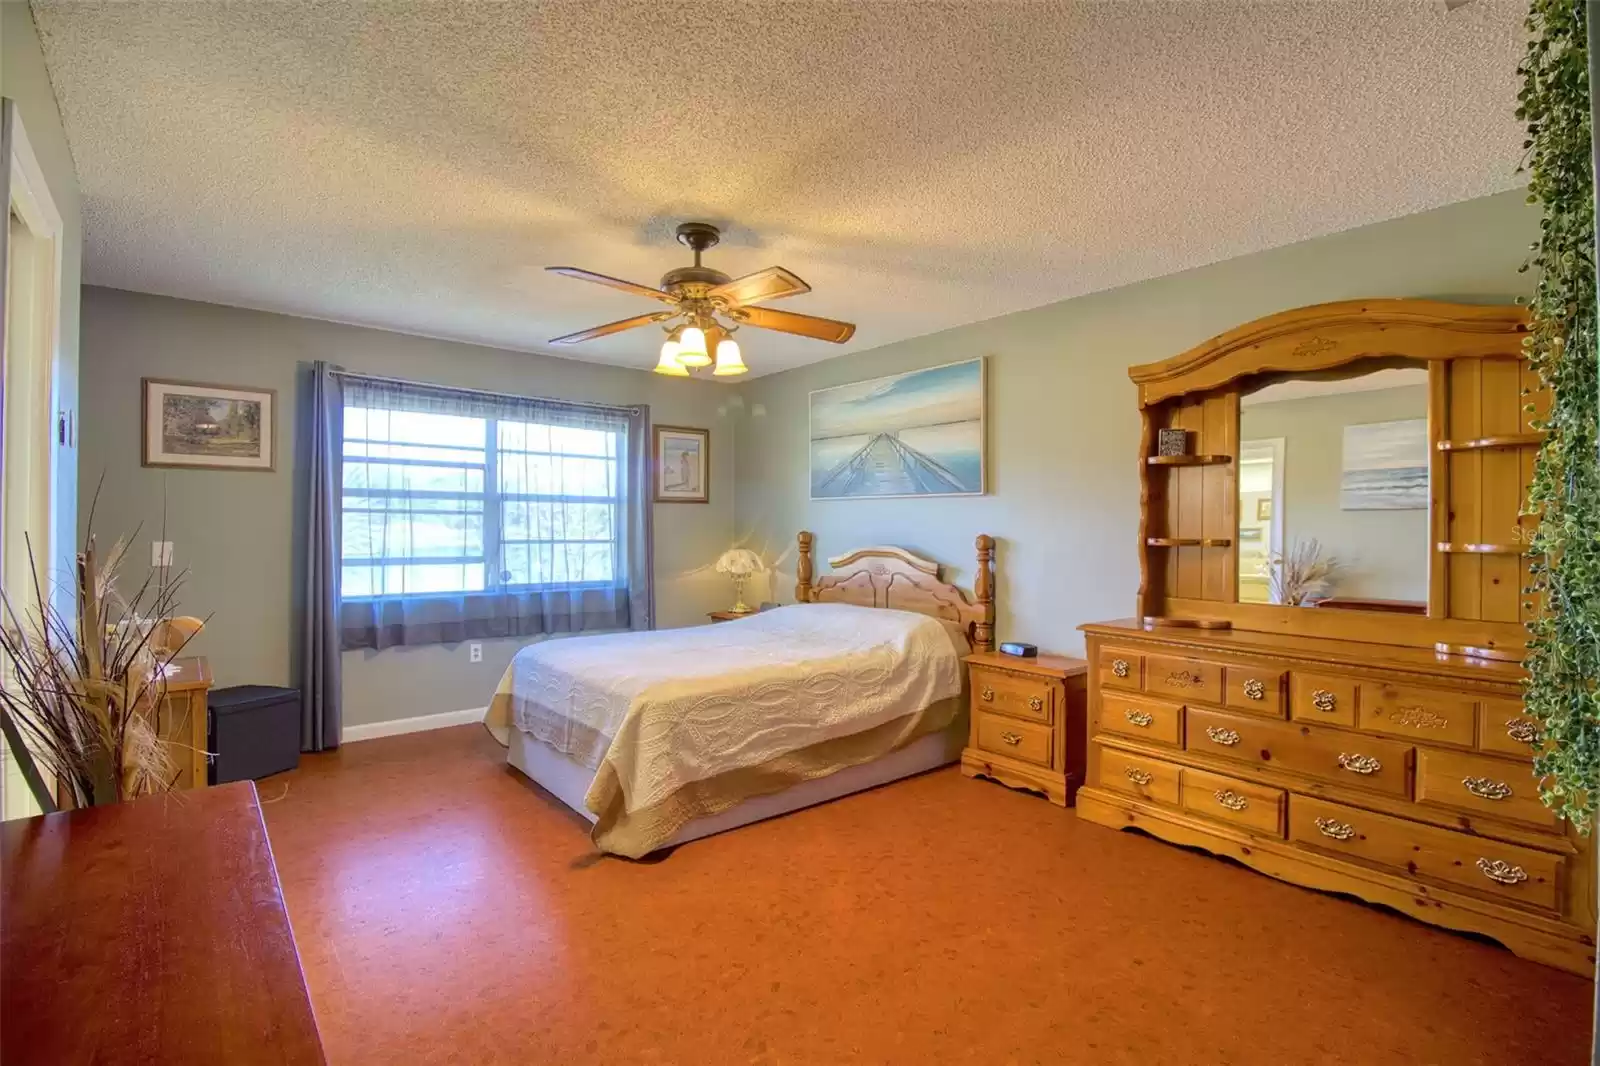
column 727, row 616
column 1029, row 725
column 184, row 719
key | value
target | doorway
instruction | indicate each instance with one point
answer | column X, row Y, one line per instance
column 30, row 443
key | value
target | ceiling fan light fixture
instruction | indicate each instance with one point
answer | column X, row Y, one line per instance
column 730, row 360
column 669, row 364
column 692, row 347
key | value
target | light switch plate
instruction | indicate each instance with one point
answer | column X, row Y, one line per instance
column 161, row 553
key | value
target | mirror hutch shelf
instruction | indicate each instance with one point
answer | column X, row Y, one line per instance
column 1378, row 749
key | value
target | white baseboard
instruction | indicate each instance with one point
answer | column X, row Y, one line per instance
column 373, row 730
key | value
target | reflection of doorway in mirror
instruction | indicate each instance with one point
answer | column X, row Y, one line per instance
column 1260, row 514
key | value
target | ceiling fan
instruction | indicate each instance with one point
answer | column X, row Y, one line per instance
column 698, row 295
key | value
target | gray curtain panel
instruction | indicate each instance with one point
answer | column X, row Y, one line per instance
column 477, row 515
column 320, row 717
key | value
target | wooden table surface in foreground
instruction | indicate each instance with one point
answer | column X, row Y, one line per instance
column 149, row 932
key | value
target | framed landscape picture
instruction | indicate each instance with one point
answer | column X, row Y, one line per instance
column 683, row 464
column 222, row 427
column 920, row 433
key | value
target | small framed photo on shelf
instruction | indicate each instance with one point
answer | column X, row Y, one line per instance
column 220, row 427
column 682, row 459
column 1172, row 442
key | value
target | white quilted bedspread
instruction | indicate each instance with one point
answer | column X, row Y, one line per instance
column 680, row 705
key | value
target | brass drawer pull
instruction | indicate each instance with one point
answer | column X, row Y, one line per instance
column 1360, row 764
column 1119, row 667
column 1332, row 827
column 1484, row 788
column 1226, row 737
column 1255, row 689
column 1142, row 719
column 1137, row 776
column 1011, row 738
column 1324, row 701
column 1522, row 731
column 1231, row 799
column 987, row 695
column 1036, row 703
column 1502, row 871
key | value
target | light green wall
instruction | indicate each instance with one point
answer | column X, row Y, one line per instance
column 235, row 531
column 1063, row 428
column 1381, row 554
column 23, row 79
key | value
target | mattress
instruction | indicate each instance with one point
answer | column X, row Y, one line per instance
column 679, row 724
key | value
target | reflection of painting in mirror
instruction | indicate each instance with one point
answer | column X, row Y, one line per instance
column 1343, row 463
column 1385, row 466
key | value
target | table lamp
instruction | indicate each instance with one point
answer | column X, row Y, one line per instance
column 741, row 563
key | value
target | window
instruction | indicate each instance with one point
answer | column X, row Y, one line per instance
column 475, row 502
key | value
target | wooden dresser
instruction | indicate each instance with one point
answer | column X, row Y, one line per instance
column 1355, row 748
column 1393, row 774
column 1027, row 722
column 151, row 931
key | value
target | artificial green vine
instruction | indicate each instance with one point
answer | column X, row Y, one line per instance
column 1563, row 658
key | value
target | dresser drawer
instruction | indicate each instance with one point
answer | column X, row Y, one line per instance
column 1152, row 721
column 1425, row 714
column 1138, row 775
column 1019, row 695
column 1350, row 759
column 1323, row 698
column 1120, row 668
column 1024, row 741
column 1227, row 799
column 1506, row 729
column 1487, row 786
column 1255, row 689
column 1523, row 875
column 1183, row 679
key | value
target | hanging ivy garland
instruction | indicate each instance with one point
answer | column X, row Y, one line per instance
column 1563, row 658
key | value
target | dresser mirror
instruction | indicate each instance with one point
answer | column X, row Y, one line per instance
column 1333, row 489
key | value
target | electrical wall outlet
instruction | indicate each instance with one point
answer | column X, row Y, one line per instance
column 161, row 553
column 475, row 652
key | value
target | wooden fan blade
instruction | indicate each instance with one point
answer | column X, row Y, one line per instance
column 773, row 283
column 615, row 283
column 613, row 327
column 822, row 329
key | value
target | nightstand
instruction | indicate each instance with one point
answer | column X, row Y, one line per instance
column 727, row 616
column 1028, row 722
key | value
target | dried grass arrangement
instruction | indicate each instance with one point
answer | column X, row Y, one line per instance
column 80, row 710
column 1300, row 575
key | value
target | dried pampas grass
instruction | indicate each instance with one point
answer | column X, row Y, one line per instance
column 1300, row 575
column 79, row 709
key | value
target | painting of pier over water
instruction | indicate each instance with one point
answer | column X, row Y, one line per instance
column 914, row 434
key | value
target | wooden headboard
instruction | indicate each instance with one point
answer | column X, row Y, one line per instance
column 893, row 577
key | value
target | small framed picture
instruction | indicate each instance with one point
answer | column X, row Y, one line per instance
column 683, row 464
column 221, row 427
column 1264, row 509
column 1172, row 441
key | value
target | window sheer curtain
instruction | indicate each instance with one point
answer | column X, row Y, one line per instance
column 468, row 515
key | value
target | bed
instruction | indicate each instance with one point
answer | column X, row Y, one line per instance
column 663, row 737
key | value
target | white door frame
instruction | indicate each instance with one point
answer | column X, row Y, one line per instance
column 28, row 198
column 31, row 200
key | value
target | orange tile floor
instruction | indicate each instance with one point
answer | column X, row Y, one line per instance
column 448, row 911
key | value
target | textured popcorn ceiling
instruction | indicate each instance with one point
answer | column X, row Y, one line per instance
column 413, row 165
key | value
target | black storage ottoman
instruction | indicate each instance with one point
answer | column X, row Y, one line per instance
column 255, row 732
